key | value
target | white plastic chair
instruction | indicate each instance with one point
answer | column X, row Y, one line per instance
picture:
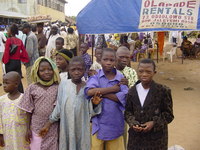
column 171, row 53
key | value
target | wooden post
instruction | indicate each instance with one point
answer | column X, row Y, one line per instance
column 93, row 44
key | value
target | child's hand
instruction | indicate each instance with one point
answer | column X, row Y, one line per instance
column 96, row 98
column 124, row 81
column 28, row 136
column 2, row 143
column 116, row 88
column 92, row 72
column 43, row 132
column 148, row 126
column 137, row 128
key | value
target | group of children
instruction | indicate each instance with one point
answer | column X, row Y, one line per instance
column 56, row 114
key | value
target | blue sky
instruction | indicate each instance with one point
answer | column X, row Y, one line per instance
column 73, row 7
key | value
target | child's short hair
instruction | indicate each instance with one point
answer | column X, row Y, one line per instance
column 14, row 75
column 77, row 59
column 60, row 39
column 98, row 48
column 148, row 61
column 108, row 50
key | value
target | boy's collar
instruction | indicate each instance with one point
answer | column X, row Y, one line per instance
column 152, row 82
column 117, row 74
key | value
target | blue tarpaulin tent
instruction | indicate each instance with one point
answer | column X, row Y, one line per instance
column 123, row 16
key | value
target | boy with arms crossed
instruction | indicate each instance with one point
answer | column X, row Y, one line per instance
column 108, row 127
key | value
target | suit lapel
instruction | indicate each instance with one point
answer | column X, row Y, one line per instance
column 136, row 97
column 150, row 95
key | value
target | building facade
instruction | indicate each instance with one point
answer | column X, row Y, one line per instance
column 54, row 8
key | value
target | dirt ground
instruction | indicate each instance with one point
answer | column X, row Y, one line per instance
column 185, row 129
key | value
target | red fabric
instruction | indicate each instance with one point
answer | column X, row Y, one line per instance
column 21, row 53
column 161, row 41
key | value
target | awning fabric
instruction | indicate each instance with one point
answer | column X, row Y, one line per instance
column 123, row 16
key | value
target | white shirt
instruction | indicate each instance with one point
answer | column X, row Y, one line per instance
column 2, row 38
column 63, row 75
column 51, row 45
column 175, row 34
column 21, row 36
column 142, row 93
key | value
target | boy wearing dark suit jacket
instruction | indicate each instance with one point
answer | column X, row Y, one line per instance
column 148, row 111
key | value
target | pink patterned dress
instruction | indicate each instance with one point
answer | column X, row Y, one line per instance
column 40, row 101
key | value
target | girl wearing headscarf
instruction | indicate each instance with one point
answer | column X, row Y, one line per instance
column 62, row 61
column 39, row 101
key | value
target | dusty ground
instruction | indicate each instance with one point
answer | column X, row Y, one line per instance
column 185, row 129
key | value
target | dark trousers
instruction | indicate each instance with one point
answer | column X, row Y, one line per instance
column 15, row 65
column 174, row 39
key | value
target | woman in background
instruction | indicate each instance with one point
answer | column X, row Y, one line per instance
column 13, row 61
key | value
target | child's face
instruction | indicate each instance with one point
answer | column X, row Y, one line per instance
column 45, row 71
column 76, row 71
column 59, row 45
column 98, row 53
column 61, row 62
column 83, row 48
column 146, row 72
column 108, row 61
column 42, row 52
column 9, row 85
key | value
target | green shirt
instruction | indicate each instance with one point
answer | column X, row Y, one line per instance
column 130, row 74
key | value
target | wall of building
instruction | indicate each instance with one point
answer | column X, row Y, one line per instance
column 26, row 7
column 54, row 8
column 56, row 15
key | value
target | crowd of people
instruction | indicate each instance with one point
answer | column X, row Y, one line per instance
column 73, row 103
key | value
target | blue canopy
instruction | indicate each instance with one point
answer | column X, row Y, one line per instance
column 122, row 16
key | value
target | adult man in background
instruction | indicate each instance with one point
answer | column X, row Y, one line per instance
column 122, row 62
column 42, row 40
column 31, row 46
column 52, row 41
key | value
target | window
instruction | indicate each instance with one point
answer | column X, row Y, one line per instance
column 22, row 1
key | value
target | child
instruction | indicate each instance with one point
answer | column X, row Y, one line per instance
column 73, row 110
column 106, row 129
column 39, row 101
column 62, row 61
column 86, row 57
column 12, row 119
column 148, row 110
column 97, row 64
column 59, row 46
